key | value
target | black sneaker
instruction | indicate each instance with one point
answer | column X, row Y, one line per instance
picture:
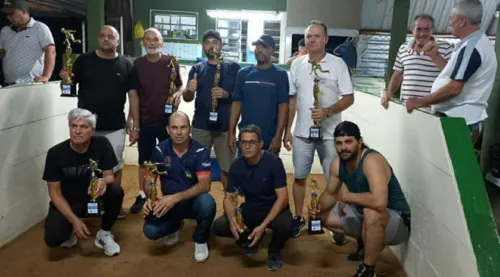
column 365, row 271
column 138, row 204
column 273, row 261
column 359, row 255
column 299, row 225
column 338, row 239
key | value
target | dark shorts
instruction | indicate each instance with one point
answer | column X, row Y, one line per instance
column 150, row 135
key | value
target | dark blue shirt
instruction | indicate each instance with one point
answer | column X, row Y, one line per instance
column 257, row 182
column 260, row 93
column 203, row 101
column 182, row 172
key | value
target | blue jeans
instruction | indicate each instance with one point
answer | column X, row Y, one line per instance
column 201, row 208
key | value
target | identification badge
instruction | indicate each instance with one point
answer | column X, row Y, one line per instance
column 66, row 89
column 314, row 132
column 213, row 116
column 93, row 208
column 169, row 108
column 316, row 225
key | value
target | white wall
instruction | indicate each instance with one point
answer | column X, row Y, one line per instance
column 414, row 145
column 33, row 120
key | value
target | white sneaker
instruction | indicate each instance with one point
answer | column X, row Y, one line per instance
column 201, row 252
column 70, row 242
column 105, row 240
column 173, row 238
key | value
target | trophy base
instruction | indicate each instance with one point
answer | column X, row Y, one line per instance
column 315, row 226
column 243, row 240
column 69, row 91
column 93, row 209
column 315, row 133
column 150, row 217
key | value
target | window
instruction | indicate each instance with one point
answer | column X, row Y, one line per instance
column 175, row 25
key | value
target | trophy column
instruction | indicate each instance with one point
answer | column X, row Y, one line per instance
column 315, row 226
column 153, row 173
column 243, row 231
column 67, row 86
column 93, row 208
column 169, row 106
column 213, row 118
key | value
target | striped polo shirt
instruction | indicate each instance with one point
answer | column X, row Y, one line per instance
column 419, row 71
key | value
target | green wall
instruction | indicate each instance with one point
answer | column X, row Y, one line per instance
column 143, row 7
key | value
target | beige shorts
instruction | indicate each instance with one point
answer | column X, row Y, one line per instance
column 117, row 140
column 218, row 140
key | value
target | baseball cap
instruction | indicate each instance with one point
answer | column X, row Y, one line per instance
column 266, row 40
column 211, row 34
column 10, row 6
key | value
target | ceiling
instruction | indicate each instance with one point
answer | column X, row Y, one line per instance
column 58, row 8
column 377, row 14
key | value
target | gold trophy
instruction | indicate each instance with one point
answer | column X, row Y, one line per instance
column 315, row 130
column 243, row 231
column 93, row 208
column 315, row 225
column 68, row 88
column 169, row 106
column 219, row 61
column 153, row 174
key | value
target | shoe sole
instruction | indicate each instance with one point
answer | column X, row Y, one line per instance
column 98, row 245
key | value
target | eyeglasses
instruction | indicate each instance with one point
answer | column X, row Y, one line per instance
column 249, row 142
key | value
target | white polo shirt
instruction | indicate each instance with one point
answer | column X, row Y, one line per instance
column 333, row 85
column 473, row 62
column 24, row 55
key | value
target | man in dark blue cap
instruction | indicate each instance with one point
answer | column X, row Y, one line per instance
column 261, row 97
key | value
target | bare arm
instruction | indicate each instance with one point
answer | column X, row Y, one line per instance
column 228, row 205
column 60, row 202
column 345, row 102
column 235, row 116
column 447, row 92
column 282, row 119
column 329, row 197
column 378, row 174
column 395, row 83
column 133, row 99
column 203, row 186
column 278, row 206
column 50, row 60
column 292, row 103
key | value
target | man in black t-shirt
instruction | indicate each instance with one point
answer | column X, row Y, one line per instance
column 260, row 176
column 104, row 79
column 68, row 177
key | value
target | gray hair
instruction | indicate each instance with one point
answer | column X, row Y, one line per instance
column 154, row 31
column 252, row 128
column 78, row 114
column 470, row 9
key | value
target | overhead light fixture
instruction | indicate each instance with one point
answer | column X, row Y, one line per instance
column 245, row 14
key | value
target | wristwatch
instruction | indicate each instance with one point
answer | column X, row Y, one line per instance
column 135, row 129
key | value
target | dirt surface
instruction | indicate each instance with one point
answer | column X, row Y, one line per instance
column 303, row 256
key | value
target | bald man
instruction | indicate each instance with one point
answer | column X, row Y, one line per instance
column 153, row 77
column 104, row 81
column 184, row 188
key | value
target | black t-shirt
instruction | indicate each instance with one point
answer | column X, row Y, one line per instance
column 103, row 88
column 69, row 167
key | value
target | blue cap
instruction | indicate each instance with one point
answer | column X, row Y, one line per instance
column 267, row 40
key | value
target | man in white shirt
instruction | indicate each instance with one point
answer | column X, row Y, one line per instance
column 336, row 93
column 464, row 86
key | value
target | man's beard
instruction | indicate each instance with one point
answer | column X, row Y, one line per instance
column 153, row 51
column 351, row 157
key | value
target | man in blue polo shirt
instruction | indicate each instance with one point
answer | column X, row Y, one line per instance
column 201, row 81
column 261, row 97
column 184, row 188
column 261, row 176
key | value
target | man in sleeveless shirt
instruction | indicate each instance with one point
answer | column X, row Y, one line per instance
column 374, row 208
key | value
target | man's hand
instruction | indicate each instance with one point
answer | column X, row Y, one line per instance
column 287, row 141
column 80, row 229
column 101, row 188
column 235, row 228
column 218, row 92
column 41, row 79
column 385, row 99
column 164, row 205
column 256, row 235
column 133, row 137
column 275, row 145
column 193, row 84
column 177, row 98
column 430, row 48
column 231, row 143
column 63, row 74
column 413, row 103
column 318, row 114
column 147, row 208
column 341, row 209
column 346, row 198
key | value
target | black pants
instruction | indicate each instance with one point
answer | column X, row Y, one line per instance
column 281, row 225
column 58, row 229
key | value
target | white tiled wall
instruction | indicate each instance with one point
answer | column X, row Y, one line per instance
column 414, row 146
column 33, row 120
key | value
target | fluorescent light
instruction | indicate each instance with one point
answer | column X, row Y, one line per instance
column 244, row 14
